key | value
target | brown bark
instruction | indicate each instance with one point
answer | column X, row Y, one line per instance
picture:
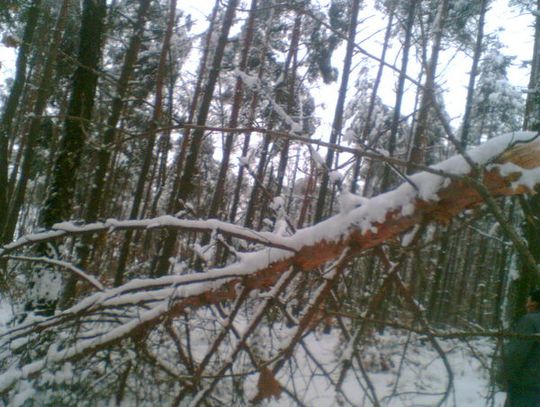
column 457, row 196
column 61, row 192
column 400, row 91
column 472, row 76
column 217, row 198
column 149, row 152
column 186, row 184
column 337, row 123
column 42, row 96
column 417, row 155
column 12, row 103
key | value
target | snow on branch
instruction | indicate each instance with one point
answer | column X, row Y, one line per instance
column 510, row 165
column 211, row 225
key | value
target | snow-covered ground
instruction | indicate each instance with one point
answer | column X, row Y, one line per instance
column 405, row 372
column 5, row 313
column 403, row 368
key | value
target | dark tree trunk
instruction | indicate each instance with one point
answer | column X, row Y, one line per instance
column 290, row 80
column 472, row 76
column 394, row 127
column 35, row 126
column 217, row 197
column 529, row 276
column 368, row 125
column 259, row 179
column 417, row 155
column 149, row 147
column 253, row 106
column 186, row 185
column 58, row 205
column 337, row 123
column 104, row 153
column 79, row 114
column 12, row 102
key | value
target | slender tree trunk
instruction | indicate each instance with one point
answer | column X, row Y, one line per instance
column 149, row 148
column 186, row 185
column 528, row 277
column 396, row 116
column 35, row 124
column 440, row 271
column 58, row 205
column 253, row 106
column 217, row 198
column 12, row 102
column 104, row 153
column 174, row 205
column 472, row 76
column 417, row 155
column 259, row 179
column 337, row 123
column 368, row 125
column 290, row 79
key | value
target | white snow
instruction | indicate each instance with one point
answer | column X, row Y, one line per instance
column 158, row 294
column 403, row 375
column 349, row 201
column 317, row 157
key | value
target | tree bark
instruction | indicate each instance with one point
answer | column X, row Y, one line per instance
column 528, row 278
column 217, row 197
column 58, row 205
column 417, row 155
column 12, row 103
column 472, row 76
column 41, row 101
column 394, row 127
column 337, row 123
column 149, row 148
column 186, row 184
column 373, row 99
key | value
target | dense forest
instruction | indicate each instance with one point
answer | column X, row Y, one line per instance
column 180, row 227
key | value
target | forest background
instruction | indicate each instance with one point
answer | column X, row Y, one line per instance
column 237, row 206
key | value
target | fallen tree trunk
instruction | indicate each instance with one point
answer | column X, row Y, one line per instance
column 504, row 166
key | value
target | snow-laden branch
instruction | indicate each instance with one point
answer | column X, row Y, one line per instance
column 510, row 165
column 64, row 264
column 162, row 222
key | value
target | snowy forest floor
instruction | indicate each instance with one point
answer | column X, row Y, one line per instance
column 404, row 369
column 405, row 372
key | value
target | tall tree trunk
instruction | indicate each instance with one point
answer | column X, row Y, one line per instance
column 58, row 205
column 396, row 116
column 529, row 276
column 373, row 100
column 104, row 153
column 12, row 102
column 417, row 155
column 217, row 197
column 117, row 105
column 173, row 205
column 149, row 147
column 290, row 80
column 465, row 128
column 259, row 179
column 41, row 101
column 186, row 184
column 253, row 106
column 337, row 123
